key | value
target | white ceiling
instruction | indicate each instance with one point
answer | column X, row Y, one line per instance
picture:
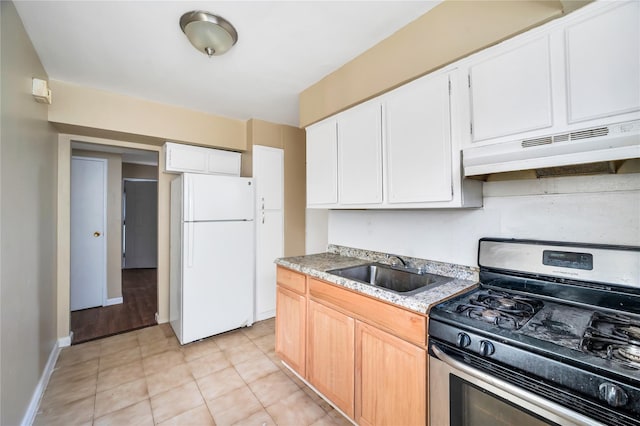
column 137, row 48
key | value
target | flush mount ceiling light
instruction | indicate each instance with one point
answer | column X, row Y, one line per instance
column 210, row 34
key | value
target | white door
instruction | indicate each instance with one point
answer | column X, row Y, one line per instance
column 88, row 226
column 322, row 163
column 140, row 224
column 418, row 142
column 360, row 155
column 268, row 173
column 217, row 282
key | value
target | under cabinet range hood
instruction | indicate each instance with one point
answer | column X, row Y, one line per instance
column 619, row 141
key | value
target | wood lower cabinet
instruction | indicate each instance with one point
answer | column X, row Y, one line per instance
column 291, row 313
column 330, row 355
column 391, row 379
column 366, row 356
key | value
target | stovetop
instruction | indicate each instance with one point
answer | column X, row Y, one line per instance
column 583, row 333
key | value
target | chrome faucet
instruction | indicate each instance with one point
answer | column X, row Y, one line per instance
column 406, row 266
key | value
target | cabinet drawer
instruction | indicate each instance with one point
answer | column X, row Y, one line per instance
column 407, row 325
column 292, row 280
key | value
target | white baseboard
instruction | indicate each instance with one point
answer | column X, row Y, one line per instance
column 113, row 301
column 32, row 409
column 265, row 315
column 63, row 342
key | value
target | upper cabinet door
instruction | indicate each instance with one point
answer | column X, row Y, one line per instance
column 603, row 64
column 360, row 155
column 322, row 164
column 418, row 142
column 511, row 92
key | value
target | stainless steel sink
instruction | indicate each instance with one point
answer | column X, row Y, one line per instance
column 391, row 278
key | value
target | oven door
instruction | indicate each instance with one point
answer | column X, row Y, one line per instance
column 460, row 395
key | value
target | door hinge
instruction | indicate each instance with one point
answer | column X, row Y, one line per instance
column 449, row 87
column 469, row 80
column 471, row 128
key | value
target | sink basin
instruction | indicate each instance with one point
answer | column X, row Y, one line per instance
column 393, row 279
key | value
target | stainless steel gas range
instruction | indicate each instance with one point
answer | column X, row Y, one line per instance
column 551, row 336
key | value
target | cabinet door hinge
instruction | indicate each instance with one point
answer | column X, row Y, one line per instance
column 471, row 128
column 449, row 87
column 469, row 80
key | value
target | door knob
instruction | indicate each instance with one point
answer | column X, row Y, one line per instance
column 96, row 234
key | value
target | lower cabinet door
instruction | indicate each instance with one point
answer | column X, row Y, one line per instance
column 391, row 379
column 330, row 355
column 291, row 311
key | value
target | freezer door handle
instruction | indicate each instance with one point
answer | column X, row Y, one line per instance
column 189, row 244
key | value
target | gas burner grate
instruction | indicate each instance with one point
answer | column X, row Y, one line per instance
column 500, row 308
column 614, row 337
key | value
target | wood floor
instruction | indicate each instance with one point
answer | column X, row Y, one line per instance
column 140, row 303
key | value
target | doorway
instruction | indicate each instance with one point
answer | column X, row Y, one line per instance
column 131, row 290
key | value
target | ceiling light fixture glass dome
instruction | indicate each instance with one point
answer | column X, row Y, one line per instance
column 209, row 33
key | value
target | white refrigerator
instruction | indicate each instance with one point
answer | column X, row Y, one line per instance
column 212, row 255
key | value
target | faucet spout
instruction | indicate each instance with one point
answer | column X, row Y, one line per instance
column 390, row 255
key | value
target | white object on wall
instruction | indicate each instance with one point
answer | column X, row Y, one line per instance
column 40, row 91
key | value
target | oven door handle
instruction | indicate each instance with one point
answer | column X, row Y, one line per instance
column 529, row 397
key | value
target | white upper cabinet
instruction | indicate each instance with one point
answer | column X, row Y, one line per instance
column 603, row 63
column 510, row 92
column 360, row 155
column 181, row 158
column 418, row 142
column 322, row 164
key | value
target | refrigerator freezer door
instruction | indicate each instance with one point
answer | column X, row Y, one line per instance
column 209, row 198
column 218, row 275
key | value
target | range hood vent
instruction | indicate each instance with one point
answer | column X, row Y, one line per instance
column 591, row 145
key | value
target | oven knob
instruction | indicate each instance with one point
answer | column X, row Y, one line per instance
column 463, row 340
column 613, row 394
column 486, row 348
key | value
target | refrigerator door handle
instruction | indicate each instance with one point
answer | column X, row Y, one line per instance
column 189, row 244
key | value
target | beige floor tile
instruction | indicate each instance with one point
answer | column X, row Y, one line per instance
column 166, row 329
column 176, row 401
column 256, row 368
column 233, row 406
column 231, row 339
column 75, row 413
column 161, row 362
column 273, row 388
column 199, row 416
column 120, row 397
column 77, row 354
column 138, row 414
column 117, row 343
column 64, row 392
column 260, row 329
column 159, row 346
column 266, row 343
column 219, row 383
column 296, row 409
column 242, row 353
column 75, row 371
column 206, row 365
column 259, row 418
column 328, row 420
column 150, row 334
column 123, row 357
column 169, row 378
column 119, row 375
column 199, row 349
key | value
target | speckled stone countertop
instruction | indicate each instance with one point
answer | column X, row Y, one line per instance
column 463, row 278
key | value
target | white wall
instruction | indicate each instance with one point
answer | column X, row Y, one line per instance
column 598, row 209
column 316, row 231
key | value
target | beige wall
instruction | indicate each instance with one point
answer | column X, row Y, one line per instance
column 292, row 141
column 114, row 219
column 27, row 223
column 139, row 171
column 450, row 31
column 77, row 107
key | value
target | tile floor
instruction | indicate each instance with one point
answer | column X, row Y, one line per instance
column 145, row 377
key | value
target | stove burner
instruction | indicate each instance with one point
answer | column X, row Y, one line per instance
column 615, row 337
column 500, row 308
column 631, row 353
